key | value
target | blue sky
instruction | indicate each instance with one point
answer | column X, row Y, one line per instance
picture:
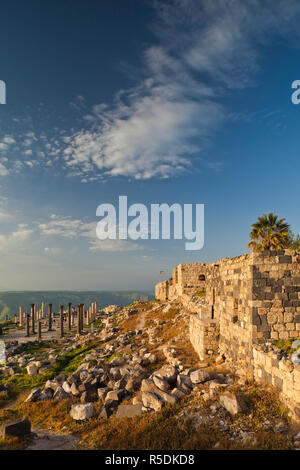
column 183, row 101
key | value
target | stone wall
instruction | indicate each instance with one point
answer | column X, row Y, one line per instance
column 276, row 295
column 186, row 279
column 249, row 300
column 204, row 336
column 269, row 367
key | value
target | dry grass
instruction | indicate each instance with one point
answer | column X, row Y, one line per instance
column 174, row 427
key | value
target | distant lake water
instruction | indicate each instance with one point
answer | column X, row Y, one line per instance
column 11, row 300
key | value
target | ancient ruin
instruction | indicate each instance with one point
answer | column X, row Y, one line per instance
column 240, row 307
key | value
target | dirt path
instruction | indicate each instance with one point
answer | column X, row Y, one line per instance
column 20, row 335
column 45, row 440
column 141, row 321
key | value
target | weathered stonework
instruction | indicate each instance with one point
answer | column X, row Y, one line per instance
column 250, row 300
column 204, row 336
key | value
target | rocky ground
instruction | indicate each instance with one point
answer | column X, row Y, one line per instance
column 135, row 383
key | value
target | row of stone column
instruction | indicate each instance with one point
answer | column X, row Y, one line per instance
column 36, row 317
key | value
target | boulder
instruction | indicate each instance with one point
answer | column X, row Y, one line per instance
column 151, row 358
column 60, row 394
column 133, row 384
column 53, row 384
column 184, row 381
column 120, row 384
column 115, row 395
column 17, row 428
column 148, row 385
column 161, row 383
column 117, row 361
column 166, row 397
column 4, row 391
column 128, row 411
column 34, row 395
column 61, row 378
column 137, row 401
column 82, row 411
column 72, row 379
column 178, row 393
column 105, row 412
column 74, row 390
column 32, row 369
column 110, row 403
column 199, row 376
column 66, row 387
column 168, row 373
column 47, row 394
column 87, row 397
column 233, row 403
column 102, row 392
column 151, row 400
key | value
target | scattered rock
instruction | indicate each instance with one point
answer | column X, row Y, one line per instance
column 82, row 411
column 32, row 369
column 34, row 395
column 19, row 428
column 102, row 392
column 199, row 376
column 233, row 403
column 128, row 411
column 161, row 383
column 150, row 400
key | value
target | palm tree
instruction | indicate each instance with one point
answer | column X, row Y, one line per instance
column 269, row 233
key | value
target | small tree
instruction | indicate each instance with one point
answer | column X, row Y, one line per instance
column 294, row 241
column 269, row 233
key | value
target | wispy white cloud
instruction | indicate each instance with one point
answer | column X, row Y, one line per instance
column 67, row 227
column 158, row 128
column 114, row 245
column 14, row 240
column 74, row 229
column 203, row 50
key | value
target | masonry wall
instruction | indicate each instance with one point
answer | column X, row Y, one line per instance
column 204, row 336
column 269, row 367
column 276, row 295
column 254, row 299
column 186, row 279
column 229, row 292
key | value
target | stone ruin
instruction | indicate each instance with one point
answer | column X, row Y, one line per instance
column 239, row 307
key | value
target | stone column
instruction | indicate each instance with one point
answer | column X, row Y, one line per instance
column 78, row 319
column 61, row 321
column 32, row 312
column 50, row 317
column 81, row 317
column 87, row 316
column 69, row 316
column 39, row 330
column 27, row 325
column 21, row 315
column 43, row 309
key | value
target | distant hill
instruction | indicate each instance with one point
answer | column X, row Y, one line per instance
column 10, row 301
